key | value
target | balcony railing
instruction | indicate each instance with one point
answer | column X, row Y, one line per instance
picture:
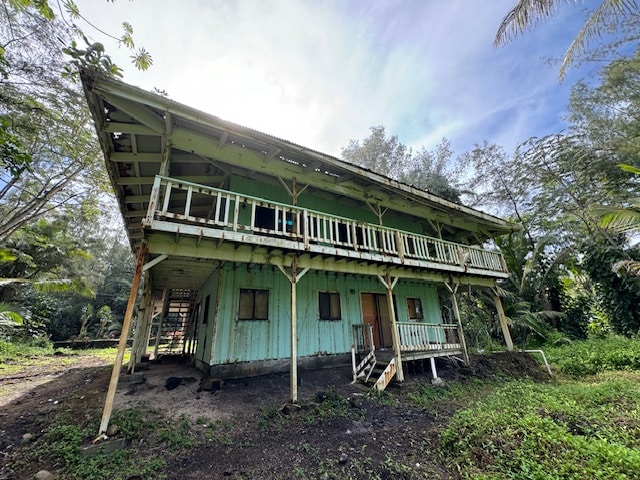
column 414, row 337
column 255, row 220
column 421, row 337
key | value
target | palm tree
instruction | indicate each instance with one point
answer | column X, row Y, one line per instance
column 526, row 12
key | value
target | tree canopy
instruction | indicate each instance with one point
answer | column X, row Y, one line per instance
column 53, row 185
column 429, row 170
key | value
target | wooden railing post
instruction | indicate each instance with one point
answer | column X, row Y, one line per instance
column 389, row 284
column 305, row 229
column 153, row 201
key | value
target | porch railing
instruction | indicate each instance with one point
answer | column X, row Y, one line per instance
column 420, row 337
column 363, row 351
column 182, row 201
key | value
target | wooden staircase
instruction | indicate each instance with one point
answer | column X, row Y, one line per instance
column 370, row 372
column 173, row 325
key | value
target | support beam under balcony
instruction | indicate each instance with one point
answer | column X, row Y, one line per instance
column 215, row 249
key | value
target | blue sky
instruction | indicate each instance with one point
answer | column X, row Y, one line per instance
column 321, row 72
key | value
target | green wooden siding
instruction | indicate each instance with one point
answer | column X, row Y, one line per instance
column 206, row 329
column 246, row 340
column 251, row 187
column 250, row 340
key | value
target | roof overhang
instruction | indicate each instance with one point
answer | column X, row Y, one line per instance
column 143, row 134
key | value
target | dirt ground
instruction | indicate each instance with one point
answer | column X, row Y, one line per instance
column 359, row 445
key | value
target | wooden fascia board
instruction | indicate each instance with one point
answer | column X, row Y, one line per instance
column 134, row 213
column 139, row 198
column 128, row 157
column 229, row 252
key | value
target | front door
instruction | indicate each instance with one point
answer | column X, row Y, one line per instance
column 375, row 312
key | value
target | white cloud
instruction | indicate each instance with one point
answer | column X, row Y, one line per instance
column 321, row 73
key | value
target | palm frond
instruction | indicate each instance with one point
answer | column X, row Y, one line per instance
column 523, row 15
column 629, row 168
column 527, row 12
column 550, row 314
column 626, row 267
column 620, row 220
column 592, row 28
column 9, row 315
column 59, row 285
column 6, row 255
column 62, row 285
column 532, row 321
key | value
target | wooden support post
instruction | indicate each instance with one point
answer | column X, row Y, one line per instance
column 293, row 377
column 115, row 373
column 434, row 372
column 456, row 313
column 293, row 278
column 163, row 314
column 503, row 320
column 138, row 349
column 389, row 284
column 147, row 332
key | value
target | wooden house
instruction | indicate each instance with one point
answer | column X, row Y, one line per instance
column 260, row 255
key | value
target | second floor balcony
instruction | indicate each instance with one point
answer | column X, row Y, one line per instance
column 185, row 208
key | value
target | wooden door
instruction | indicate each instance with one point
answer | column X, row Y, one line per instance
column 375, row 312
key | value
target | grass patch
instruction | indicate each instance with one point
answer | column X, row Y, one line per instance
column 455, row 394
column 593, row 356
column 571, row 430
column 17, row 357
column 11, row 352
column 153, row 440
column 106, row 354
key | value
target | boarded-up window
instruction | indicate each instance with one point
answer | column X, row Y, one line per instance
column 329, row 306
column 254, row 304
column 415, row 309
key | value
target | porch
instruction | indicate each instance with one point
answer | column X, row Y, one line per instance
column 417, row 341
column 182, row 208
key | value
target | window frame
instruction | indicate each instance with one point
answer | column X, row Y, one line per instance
column 329, row 304
column 414, row 305
column 256, row 309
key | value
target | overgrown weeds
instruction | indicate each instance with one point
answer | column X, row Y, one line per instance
column 596, row 355
column 569, row 430
column 151, row 440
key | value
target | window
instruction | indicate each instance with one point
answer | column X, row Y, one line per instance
column 415, row 309
column 329, row 306
column 254, row 304
column 205, row 316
